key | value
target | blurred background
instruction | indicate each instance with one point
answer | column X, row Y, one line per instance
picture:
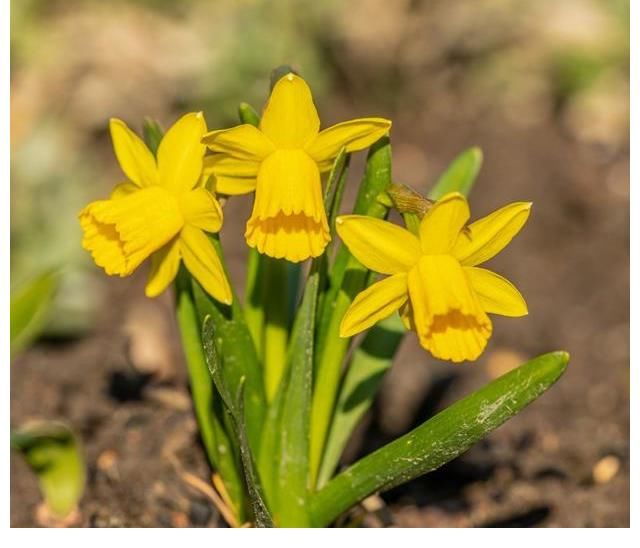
column 540, row 86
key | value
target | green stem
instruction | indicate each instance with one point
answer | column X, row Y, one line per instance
column 253, row 309
column 276, row 323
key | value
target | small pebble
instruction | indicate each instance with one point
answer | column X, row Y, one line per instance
column 179, row 519
column 107, row 460
column 606, row 469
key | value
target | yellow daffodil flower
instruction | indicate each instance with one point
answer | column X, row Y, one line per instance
column 434, row 280
column 282, row 161
column 160, row 211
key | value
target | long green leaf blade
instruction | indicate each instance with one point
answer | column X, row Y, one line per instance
column 206, row 402
column 440, row 439
column 293, row 477
column 235, row 408
column 364, row 375
column 460, row 175
column 233, row 341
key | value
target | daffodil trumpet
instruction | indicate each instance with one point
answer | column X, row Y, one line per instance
column 280, row 383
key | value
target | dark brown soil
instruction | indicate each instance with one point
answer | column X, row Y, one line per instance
column 540, row 469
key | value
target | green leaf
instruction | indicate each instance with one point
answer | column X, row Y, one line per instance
column 248, row 114
column 54, row 454
column 293, row 456
column 207, row 405
column 235, row 408
column 152, row 132
column 333, row 194
column 234, row 342
column 359, row 387
column 270, row 446
column 348, row 277
column 440, row 439
column 29, row 309
column 460, row 175
column 334, row 189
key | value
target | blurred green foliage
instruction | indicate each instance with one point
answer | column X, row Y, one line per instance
column 29, row 309
column 54, row 454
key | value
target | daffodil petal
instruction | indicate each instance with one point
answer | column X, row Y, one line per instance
column 497, row 295
column 441, row 225
column 447, row 314
column 379, row 245
column 202, row 261
column 135, row 159
column 353, row 135
column 244, row 142
column 164, row 267
column 375, row 303
column 221, row 164
column 123, row 189
column 234, row 186
column 200, row 209
column 231, row 176
column 290, row 119
column 180, row 152
column 486, row 237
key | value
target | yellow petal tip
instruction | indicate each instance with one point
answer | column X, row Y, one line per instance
column 117, row 122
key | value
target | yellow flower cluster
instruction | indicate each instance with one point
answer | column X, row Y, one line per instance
column 167, row 205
